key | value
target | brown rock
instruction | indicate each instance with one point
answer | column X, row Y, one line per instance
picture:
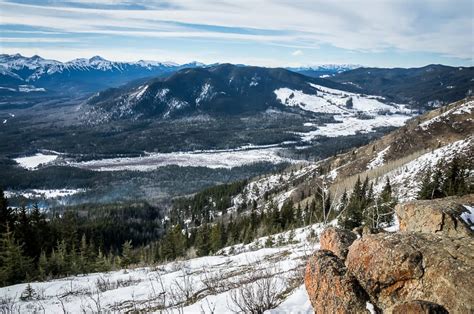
column 440, row 216
column 337, row 241
column 331, row 288
column 400, row 267
column 418, row 307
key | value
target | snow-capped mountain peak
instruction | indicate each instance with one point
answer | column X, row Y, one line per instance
column 50, row 74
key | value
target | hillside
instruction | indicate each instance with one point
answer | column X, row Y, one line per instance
column 445, row 84
column 206, row 284
column 401, row 155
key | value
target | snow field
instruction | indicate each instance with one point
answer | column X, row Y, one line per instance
column 205, row 284
column 211, row 159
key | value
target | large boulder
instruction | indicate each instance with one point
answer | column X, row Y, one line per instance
column 401, row 267
column 440, row 216
column 331, row 288
column 337, row 241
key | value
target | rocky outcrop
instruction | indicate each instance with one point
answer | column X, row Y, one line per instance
column 331, row 288
column 337, row 241
column 418, row 307
column 400, row 267
column 440, row 216
column 425, row 268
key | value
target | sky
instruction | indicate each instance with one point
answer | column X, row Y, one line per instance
column 382, row 33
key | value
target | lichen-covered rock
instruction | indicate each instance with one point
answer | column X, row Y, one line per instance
column 439, row 216
column 331, row 288
column 337, row 241
column 418, row 307
column 400, row 267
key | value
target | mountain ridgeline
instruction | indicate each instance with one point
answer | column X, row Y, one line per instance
column 220, row 89
column 429, row 86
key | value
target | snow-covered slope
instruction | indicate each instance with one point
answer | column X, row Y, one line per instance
column 406, row 179
column 353, row 113
column 205, row 284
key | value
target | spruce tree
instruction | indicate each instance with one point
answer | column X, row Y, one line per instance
column 215, row 238
column 426, row 184
column 127, row 257
column 455, row 178
column 352, row 215
column 14, row 265
column 202, row 241
column 179, row 240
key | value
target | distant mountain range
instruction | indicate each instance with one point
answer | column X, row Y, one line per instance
column 422, row 88
column 324, row 70
column 19, row 74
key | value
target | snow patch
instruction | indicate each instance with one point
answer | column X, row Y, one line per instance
column 46, row 194
column 379, row 159
column 30, row 88
column 35, row 161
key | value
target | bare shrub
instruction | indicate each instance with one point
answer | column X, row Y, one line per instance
column 8, row 305
column 96, row 298
column 159, row 291
column 261, row 292
column 215, row 281
column 183, row 289
column 104, row 284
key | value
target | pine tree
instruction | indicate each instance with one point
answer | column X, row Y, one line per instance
column 43, row 268
column 215, row 238
column 202, row 241
column 455, row 179
column 299, row 216
column 14, row 265
column 287, row 214
column 386, row 203
column 426, row 185
column 83, row 255
column 127, row 257
column 386, row 194
column 102, row 262
column 61, row 258
column 23, row 231
column 344, row 200
column 179, row 240
column 352, row 215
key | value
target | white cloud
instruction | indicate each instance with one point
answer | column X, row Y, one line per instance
column 297, row 53
column 430, row 26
